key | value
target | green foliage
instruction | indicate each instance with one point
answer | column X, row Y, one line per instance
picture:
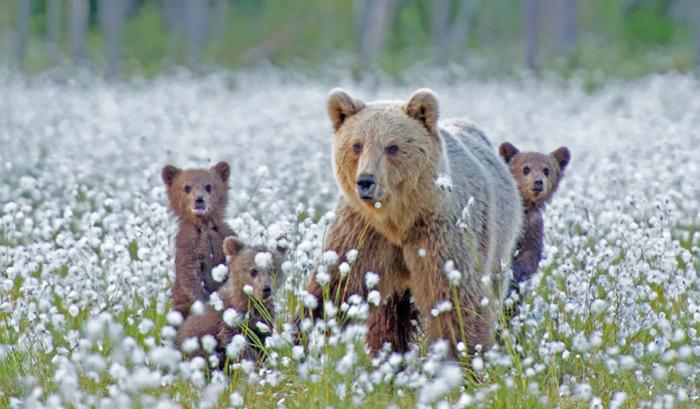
column 615, row 37
column 648, row 26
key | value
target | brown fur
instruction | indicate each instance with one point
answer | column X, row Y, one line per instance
column 200, row 237
column 527, row 168
column 403, row 148
column 241, row 264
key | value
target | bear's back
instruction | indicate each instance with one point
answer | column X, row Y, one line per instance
column 495, row 214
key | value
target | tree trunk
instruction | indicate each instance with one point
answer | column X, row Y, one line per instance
column 531, row 12
column 695, row 16
column 112, row 14
column 23, row 11
column 172, row 14
column 441, row 29
column 197, row 16
column 220, row 18
column 78, row 29
column 373, row 17
column 460, row 27
column 566, row 27
column 53, row 28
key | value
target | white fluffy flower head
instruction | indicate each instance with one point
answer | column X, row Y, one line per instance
column 263, row 259
column 219, row 273
column 371, row 279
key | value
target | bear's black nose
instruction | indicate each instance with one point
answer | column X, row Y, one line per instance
column 538, row 185
column 267, row 291
column 365, row 185
column 199, row 200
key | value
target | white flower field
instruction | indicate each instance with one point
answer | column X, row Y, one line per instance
column 86, row 244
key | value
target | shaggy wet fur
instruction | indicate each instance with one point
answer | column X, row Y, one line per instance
column 242, row 271
column 538, row 176
column 198, row 198
column 386, row 158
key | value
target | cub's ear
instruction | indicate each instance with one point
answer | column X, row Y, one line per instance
column 168, row 174
column 507, row 150
column 223, row 170
column 232, row 246
column 341, row 106
column 562, row 156
column 423, row 106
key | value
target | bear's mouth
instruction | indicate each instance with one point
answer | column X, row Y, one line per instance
column 374, row 199
column 199, row 209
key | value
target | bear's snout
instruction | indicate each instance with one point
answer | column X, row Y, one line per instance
column 200, row 206
column 539, row 185
column 366, row 186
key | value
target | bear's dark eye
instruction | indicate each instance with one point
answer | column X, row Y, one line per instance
column 392, row 149
column 546, row 171
column 188, row 189
column 526, row 170
column 207, row 188
column 357, row 148
column 253, row 273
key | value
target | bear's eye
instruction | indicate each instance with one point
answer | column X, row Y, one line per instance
column 188, row 189
column 526, row 170
column 392, row 149
column 357, row 148
column 253, row 273
column 546, row 171
column 207, row 188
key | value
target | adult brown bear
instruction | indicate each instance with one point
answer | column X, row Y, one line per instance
column 430, row 208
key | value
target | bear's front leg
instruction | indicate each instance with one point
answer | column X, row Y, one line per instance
column 349, row 232
column 394, row 322
column 375, row 254
column 456, row 312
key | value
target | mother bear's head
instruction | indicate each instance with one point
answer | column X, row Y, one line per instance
column 386, row 153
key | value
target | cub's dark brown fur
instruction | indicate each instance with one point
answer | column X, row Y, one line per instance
column 243, row 271
column 538, row 176
column 198, row 197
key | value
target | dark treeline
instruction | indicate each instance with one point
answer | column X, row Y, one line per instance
column 627, row 37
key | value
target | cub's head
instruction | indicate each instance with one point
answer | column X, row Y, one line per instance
column 197, row 194
column 537, row 174
column 253, row 266
column 384, row 153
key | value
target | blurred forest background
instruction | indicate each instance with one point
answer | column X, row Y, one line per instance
column 624, row 38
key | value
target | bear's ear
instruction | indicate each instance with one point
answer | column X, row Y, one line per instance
column 562, row 156
column 223, row 170
column 507, row 150
column 341, row 106
column 232, row 246
column 423, row 106
column 168, row 174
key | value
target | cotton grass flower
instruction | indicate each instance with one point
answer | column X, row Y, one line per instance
column 371, row 279
column 86, row 241
column 232, row 318
column 219, row 273
column 263, row 259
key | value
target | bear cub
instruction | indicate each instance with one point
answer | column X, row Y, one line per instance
column 198, row 198
column 537, row 175
column 254, row 275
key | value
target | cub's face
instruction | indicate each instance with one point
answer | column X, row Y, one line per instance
column 381, row 149
column 197, row 193
column 537, row 174
column 256, row 267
